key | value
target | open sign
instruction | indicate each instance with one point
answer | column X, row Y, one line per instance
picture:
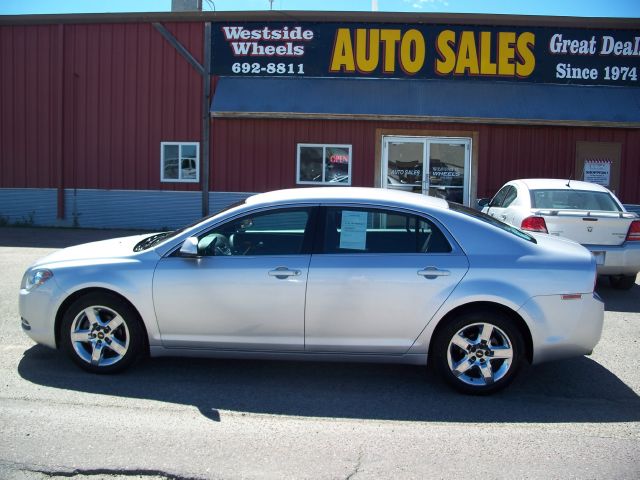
column 337, row 158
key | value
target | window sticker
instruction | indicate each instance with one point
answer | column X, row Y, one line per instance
column 353, row 234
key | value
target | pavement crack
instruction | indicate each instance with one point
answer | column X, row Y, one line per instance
column 111, row 471
column 357, row 467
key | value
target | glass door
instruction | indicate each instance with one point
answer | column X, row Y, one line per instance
column 403, row 163
column 449, row 168
column 435, row 166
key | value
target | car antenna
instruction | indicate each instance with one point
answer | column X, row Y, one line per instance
column 569, row 181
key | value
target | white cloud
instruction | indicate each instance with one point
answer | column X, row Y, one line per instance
column 420, row 4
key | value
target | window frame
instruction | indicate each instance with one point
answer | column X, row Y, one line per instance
column 596, row 193
column 162, row 162
column 322, row 240
column 324, row 146
column 510, row 197
column 498, row 198
column 307, row 239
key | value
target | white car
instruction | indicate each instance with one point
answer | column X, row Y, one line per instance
column 584, row 212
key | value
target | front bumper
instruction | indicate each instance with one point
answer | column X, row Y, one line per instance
column 38, row 309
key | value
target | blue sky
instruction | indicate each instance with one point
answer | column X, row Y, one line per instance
column 581, row 8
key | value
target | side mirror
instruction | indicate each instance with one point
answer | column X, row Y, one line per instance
column 483, row 202
column 189, row 247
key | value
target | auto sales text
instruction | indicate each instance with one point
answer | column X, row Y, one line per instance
column 500, row 54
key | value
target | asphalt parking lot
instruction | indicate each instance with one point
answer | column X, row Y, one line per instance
column 185, row 418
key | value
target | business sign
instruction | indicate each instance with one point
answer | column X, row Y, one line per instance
column 518, row 54
column 597, row 170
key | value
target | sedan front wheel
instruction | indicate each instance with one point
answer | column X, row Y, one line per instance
column 478, row 352
column 102, row 333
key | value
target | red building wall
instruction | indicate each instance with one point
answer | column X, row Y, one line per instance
column 87, row 105
column 259, row 155
column 29, row 107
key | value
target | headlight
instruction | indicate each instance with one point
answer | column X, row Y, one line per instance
column 35, row 278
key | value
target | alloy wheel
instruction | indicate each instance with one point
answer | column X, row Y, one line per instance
column 480, row 354
column 100, row 336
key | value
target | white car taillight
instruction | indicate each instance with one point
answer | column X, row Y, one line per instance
column 534, row 224
column 634, row 231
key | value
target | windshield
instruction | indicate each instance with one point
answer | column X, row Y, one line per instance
column 456, row 207
column 564, row 199
column 155, row 239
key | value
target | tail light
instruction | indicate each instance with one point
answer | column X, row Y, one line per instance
column 534, row 224
column 634, row 231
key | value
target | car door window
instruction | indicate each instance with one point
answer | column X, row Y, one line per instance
column 354, row 230
column 280, row 232
column 510, row 196
column 498, row 200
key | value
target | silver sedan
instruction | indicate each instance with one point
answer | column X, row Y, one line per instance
column 346, row 274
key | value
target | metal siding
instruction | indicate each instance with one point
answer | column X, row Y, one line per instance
column 260, row 154
column 28, row 90
column 125, row 90
column 153, row 210
column 149, row 210
column 28, row 206
column 131, row 98
column 509, row 152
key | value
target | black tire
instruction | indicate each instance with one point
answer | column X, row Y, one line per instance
column 97, row 347
column 622, row 282
column 480, row 368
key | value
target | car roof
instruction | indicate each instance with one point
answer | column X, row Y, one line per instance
column 560, row 184
column 347, row 194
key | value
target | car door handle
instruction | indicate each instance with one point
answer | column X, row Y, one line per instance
column 283, row 272
column 503, row 217
column 433, row 272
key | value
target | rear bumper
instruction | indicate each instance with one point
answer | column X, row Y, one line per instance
column 563, row 328
column 618, row 260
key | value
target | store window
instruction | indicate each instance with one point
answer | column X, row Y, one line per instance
column 323, row 164
column 180, row 162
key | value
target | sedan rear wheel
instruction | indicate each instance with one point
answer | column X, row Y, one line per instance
column 102, row 333
column 479, row 352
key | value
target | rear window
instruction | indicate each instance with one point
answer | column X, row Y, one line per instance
column 573, row 200
column 456, row 207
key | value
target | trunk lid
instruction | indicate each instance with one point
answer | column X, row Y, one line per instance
column 588, row 227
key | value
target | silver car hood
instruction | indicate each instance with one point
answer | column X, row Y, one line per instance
column 116, row 248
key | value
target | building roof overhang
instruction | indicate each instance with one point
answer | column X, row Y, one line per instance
column 427, row 100
column 316, row 16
